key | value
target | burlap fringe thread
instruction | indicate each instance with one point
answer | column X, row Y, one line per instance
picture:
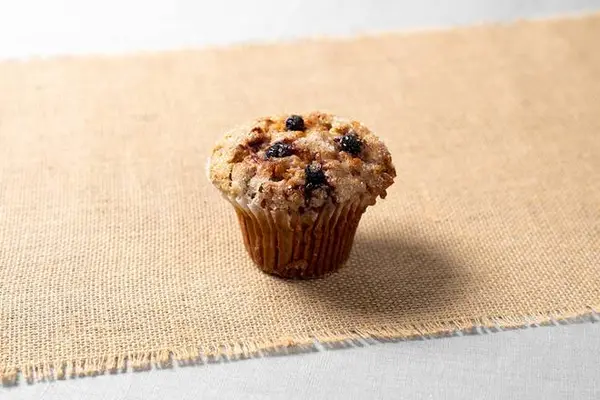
column 63, row 369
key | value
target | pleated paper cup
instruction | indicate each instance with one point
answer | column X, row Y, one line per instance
column 295, row 246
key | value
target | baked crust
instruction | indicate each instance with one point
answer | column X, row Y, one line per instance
column 263, row 163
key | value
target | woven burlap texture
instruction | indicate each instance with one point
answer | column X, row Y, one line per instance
column 115, row 248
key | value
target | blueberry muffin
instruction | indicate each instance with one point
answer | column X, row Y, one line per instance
column 299, row 185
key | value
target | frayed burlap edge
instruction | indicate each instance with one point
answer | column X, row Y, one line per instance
column 164, row 358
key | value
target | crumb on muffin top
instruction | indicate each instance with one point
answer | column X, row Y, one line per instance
column 299, row 162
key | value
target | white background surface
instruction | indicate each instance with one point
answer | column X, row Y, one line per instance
column 43, row 27
column 538, row 363
column 551, row 362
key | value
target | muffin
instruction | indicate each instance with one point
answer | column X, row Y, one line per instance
column 299, row 185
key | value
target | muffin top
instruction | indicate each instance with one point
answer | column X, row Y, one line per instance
column 301, row 162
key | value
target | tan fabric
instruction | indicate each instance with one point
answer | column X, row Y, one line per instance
column 114, row 246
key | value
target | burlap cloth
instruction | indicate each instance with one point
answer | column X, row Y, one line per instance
column 115, row 248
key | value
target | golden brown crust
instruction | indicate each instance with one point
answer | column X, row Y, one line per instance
column 245, row 165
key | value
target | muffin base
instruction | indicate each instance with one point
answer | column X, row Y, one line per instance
column 293, row 246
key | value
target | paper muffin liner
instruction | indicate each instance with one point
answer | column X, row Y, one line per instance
column 296, row 246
